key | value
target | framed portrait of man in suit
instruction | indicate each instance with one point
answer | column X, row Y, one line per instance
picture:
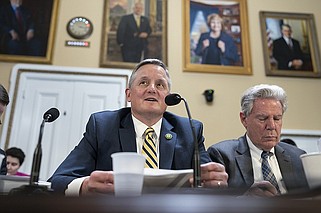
column 27, row 30
column 290, row 45
column 133, row 30
column 216, row 37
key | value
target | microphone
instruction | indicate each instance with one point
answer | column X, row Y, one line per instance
column 34, row 188
column 174, row 99
column 49, row 116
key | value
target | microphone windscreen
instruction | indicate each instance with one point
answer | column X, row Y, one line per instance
column 173, row 99
column 51, row 115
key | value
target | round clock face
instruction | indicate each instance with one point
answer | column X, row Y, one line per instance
column 79, row 28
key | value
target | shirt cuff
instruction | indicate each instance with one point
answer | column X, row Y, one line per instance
column 73, row 188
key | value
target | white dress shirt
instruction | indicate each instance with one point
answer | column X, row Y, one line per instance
column 257, row 165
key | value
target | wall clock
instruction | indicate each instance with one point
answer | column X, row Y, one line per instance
column 80, row 27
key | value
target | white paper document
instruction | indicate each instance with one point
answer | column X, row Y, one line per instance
column 167, row 178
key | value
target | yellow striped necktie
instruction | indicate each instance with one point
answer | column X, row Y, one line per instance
column 149, row 149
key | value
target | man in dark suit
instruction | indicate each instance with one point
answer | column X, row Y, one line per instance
column 18, row 30
column 4, row 101
column 262, row 111
column 88, row 168
column 287, row 50
column 132, row 35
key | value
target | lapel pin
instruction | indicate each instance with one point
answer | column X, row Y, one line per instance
column 168, row 136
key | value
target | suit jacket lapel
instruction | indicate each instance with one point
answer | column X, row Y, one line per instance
column 244, row 162
column 167, row 142
column 127, row 134
column 285, row 165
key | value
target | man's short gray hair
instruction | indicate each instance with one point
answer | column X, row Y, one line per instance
column 262, row 91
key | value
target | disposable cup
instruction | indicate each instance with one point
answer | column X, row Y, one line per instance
column 311, row 165
column 128, row 170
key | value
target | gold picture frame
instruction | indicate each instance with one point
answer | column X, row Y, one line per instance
column 279, row 56
column 39, row 18
column 234, row 34
column 114, row 10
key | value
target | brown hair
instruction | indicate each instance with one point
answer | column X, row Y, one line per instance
column 4, row 97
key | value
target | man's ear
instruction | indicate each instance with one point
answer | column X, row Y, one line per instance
column 127, row 92
column 243, row 119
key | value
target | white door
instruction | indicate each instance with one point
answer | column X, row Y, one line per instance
column 35, row 97
column 75, row 96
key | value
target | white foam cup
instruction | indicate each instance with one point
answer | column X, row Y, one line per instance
column 128, row 170
column 311, row 165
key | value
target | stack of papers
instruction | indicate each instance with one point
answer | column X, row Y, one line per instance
column 164, row 178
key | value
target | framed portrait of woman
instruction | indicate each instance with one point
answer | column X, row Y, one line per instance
column 290, row 45
column 216, row 37
column 27, row 30
column 132, row 31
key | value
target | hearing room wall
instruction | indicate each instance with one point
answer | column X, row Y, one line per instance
column 221, row 118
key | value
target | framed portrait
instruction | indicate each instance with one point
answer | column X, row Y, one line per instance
column 290, row 44
column 216, row 37
column 27, row 31
column 132, row 31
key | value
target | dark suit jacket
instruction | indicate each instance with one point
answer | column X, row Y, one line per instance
column 8, row 21
column 235, row 156
column 283, row 54
column 3, row 169
column 108, row 132
column 127, row 37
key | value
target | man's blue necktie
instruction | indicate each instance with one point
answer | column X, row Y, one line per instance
column 266, row 170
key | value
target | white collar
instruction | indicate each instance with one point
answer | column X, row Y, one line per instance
column 140, row 127
column 255, row 150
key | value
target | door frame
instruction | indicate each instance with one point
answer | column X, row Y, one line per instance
column 22, row 71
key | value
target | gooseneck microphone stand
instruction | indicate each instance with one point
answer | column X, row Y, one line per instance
column 34, row 188
column 197, row 165
column 37, row 156
column 171, row 100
